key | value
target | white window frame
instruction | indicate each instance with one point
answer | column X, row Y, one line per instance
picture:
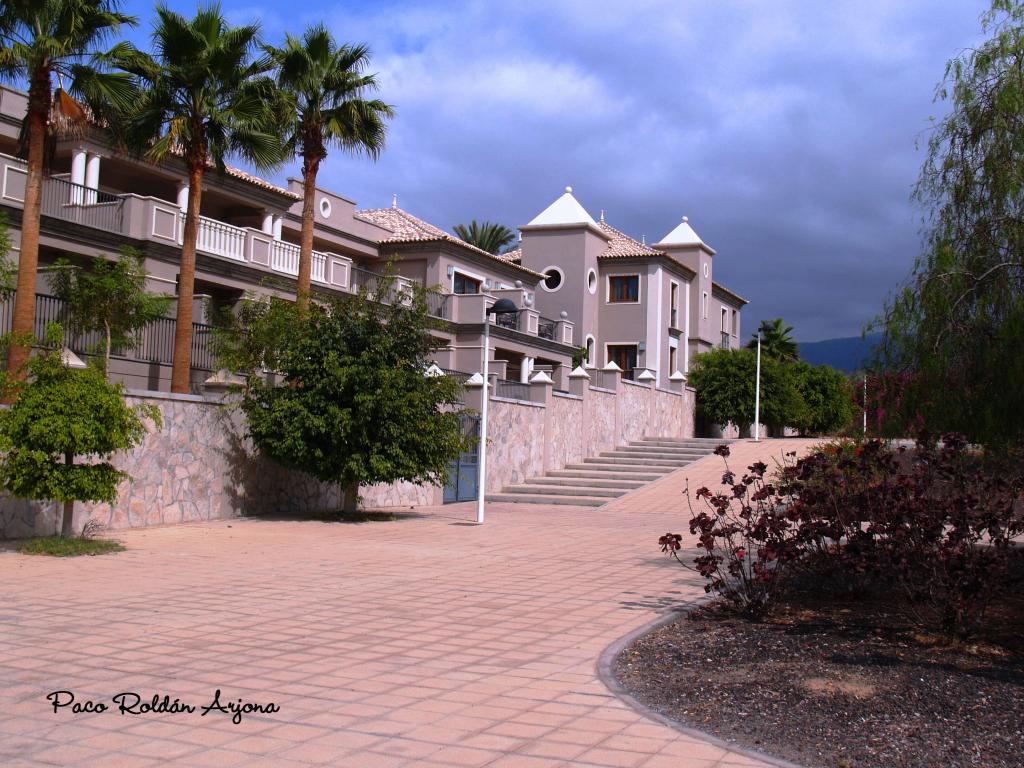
column 561, row 274
column 639, row 288
column 590, row 344
column 466, row 273
column 704, row 305
column 673, row 305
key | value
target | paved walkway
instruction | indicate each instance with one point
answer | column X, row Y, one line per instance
column 418, row 642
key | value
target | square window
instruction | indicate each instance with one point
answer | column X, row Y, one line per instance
column 463, row 284
column 623, row 289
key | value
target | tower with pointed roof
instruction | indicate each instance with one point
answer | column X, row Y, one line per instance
column 563, row 242
column 686, row 246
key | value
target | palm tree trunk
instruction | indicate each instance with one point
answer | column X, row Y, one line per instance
column 310, row 167
column 28, row 259
column 180, row 372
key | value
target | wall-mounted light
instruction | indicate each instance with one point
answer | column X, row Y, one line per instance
column 641, row 347
column 451, row 270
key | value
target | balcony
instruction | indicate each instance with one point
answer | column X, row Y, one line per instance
column 155, row 341
column 162, row 222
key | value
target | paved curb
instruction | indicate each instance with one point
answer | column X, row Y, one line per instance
column 606, row 673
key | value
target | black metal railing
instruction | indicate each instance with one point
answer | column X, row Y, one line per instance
column 155, row 342
column 398, row 290
column 508, row 320
column 546, row 328
column 514, row 390
column 67, row 201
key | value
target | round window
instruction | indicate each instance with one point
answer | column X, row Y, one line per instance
column 325, row 207
column 552, row 279
column 592, row 281
column 705, row 269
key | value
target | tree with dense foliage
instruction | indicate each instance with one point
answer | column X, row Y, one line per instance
column 42, row 41
column 776, row 341
column 354, row 405
column 60, row 415
column 724, row 380
column 205, row 96
column 487, row 235
column 110, row 298
column 322, row 102
column 249, row 338
column 954, row 334
column 827, row 402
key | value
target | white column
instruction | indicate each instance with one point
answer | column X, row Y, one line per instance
column 92, row 177
column 277, row 226
column 268, row 223
column 78, row 160
column 526, row 370
column 183, row 197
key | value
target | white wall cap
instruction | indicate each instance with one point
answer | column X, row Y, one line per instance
column 646, row 375
column 579, row 373
column 223, row 377
column 541, row 377
column 70, row 360
column 612, row 367
column 433, row 371
column 677, row 376
column 476, row 380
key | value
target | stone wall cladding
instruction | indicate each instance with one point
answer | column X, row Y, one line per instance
column 200, row 466
column 515, row 443
column 634, row 412
column 566, row 443
column 600, row 422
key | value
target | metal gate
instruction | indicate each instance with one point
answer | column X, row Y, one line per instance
column 463, row 471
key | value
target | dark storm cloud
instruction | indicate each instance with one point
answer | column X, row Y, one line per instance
column 786, row 131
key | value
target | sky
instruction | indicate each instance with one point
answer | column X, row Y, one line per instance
column 790, row 132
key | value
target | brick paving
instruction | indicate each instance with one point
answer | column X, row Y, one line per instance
column 418, row 642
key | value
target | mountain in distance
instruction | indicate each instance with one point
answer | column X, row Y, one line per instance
column 847, row 354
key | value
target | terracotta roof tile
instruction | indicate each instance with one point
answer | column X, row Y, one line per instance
column 407, row 228
column 622, row 246
column 514, row 256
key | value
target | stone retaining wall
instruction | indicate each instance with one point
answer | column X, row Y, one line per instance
column 200, row 466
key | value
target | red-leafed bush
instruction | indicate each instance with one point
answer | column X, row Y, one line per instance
column 934, row 522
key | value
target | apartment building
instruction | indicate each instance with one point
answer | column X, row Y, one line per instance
column 643, row 307
column 96, row 200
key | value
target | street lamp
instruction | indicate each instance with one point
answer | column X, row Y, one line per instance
column 757, row 393
column 500, row 307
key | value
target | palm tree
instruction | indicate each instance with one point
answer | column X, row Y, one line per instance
column 321, row 89
column 776, row 341
column 203, row 96
column 487, row 236
column 40, row 41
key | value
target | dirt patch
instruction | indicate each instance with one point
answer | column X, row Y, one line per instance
column 840, row 686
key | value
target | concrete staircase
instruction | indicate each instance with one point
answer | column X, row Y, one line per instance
column 599, row 479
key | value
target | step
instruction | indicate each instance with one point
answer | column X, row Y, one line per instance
column 656, row 453
column 559, row 490
column 625, row 469
column 702, row 441
column 589, row 481
column 625, row 461
column 575, row 501
column 655, row 447
column 599, row 472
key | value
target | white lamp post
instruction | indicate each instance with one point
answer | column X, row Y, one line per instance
column 500, row 307
column 757, row 393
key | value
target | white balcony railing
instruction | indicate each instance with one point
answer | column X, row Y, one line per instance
column 220, row 239
column 284, row 257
